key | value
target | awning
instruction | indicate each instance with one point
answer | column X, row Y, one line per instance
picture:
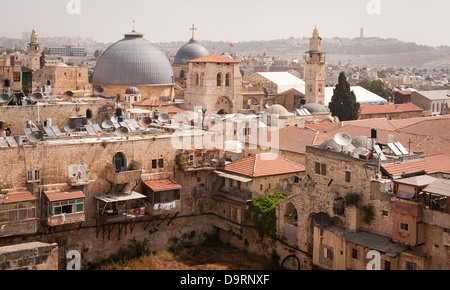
column 439, row 187
column 376, row 242
column 162, row 185
column 120, row 197
column 60, row 195
column 232, row 176
column 17, row 197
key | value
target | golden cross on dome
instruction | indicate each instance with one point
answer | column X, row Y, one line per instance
column 193, row 29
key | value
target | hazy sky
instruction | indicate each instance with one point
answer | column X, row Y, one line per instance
column 423, row 22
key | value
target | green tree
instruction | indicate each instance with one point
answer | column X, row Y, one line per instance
column 377, row 87
column 343, row 103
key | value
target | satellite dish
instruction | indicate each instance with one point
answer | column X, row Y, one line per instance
column 36, row 137
column 4, row 98
column 343, row 139
column 146, row 122
column 68, row 94
column 164, row 118
column 98, row 91
column 322, row 218
column 268, row 105
column 107, row 124
column 69, row 128
column 37, row 97
column 122, row 131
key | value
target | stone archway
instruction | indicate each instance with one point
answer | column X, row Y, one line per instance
column 224, row 106
column 290, row 227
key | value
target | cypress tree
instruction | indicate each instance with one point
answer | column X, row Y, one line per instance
column 343, row 103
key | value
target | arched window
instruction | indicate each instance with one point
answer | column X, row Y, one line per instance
column 202, row 76
column 227, row 80
column 119, row 162
column 197, row 79
column 219, row 79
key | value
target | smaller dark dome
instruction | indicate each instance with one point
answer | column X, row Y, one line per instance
column 190, row 51
column 132, row 91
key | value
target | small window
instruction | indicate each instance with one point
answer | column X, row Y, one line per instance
column 317, row 167
column 37, row 175
column 191, row 158
column 404, row 227
column 219, row 80
column 410, row 266
column 328, row 253
column 297, row 179
column 354, row 253
column 347, row 176
column 154, row 164
column 385, row 213
column 387, row 265
column 227, row 80
column 161, row 163
column 324, row 169
column 29, row 175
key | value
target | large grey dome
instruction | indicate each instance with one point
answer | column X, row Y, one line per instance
column 190, row 51
column 133, row 61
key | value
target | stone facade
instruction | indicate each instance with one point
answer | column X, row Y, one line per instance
column 205, row 90
column 147, row 92
column 29, row 256
column 63, row 78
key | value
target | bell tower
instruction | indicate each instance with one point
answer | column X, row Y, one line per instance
column 34, row 52
column 315, row 71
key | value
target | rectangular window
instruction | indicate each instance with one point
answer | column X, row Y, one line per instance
column 191, row 158
column 66, row 207
column 404, row 227
column 37, row 175
column 317, row 168
column 324, row 169
column 410, row 266
column 347, row 176
column 161, row 163
column 354, row 253
column 297, row 179
column 387, row 265
column 29, row 175
column 154, row 164
column 16, row 77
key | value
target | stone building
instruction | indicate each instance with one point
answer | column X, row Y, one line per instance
column 63, row 78
column 214, row 83
column 433, row 103
column 390, row 112
column 344, row 209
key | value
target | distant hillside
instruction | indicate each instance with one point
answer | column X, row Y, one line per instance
column 364, row 51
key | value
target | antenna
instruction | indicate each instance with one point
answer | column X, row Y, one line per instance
column 146, row 122
column 36, row 137
column 343, row 139
column 164, row 118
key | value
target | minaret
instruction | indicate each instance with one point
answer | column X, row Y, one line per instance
column 315, row 71
column 34, row 52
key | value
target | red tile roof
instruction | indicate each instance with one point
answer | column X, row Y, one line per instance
column 291, row 139
column 215, row 58
column 60, row 195
column 404, row 92
column 17, row 197
column 264, row 164
column 174, row 110
column 431, row 164
column 162, row 185
column 368, row 109
column 150, row 103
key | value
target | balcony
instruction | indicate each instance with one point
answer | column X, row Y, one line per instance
column 165, row 207
column 121, row 207
column 236, row 194
column 123, row 177
column 117, row 215
column 66, row 219
column 199, row 160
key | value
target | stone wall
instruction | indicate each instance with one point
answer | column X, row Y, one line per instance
column 29, row 256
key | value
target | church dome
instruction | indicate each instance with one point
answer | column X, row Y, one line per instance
column 190, row 51
column 133, row 60
column 278, row 110
column 132, row 91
